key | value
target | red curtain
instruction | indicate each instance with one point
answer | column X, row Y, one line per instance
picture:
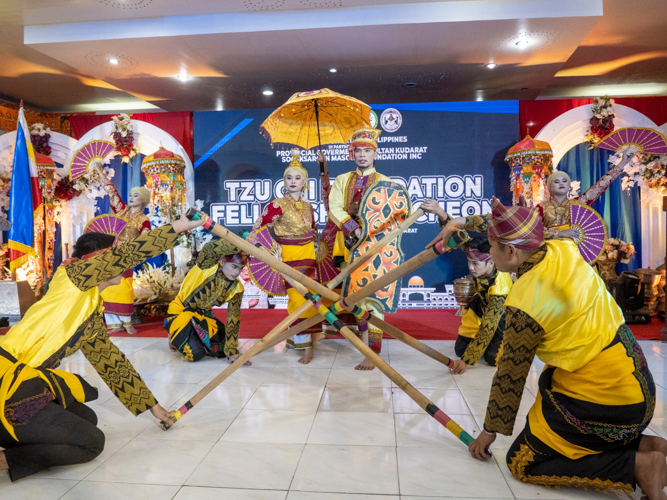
column 178, row 125
column 534, row 115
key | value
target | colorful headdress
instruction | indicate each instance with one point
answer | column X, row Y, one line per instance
column 237, row 258
column 476, row 256
column 558, row 174
column 364, row 138
column 295, row 166
column 143, row 193
column 518, row 226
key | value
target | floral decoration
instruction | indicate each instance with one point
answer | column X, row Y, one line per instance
column 602, row 122
column 649, row 173
column 617, row 250
column 123, row 136
column 39, row 137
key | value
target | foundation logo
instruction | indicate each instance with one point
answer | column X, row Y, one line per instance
column 391, row 120
column 373, row 118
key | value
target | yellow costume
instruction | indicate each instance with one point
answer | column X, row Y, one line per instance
column 295, row 229
column 119, row 299
column 346, row 194
column 193, row 329
column 596, row 393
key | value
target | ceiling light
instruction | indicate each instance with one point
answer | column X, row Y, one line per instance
column 267, row 92
column 183, row 77
column 491, row 65
column 522, row 43
column 411, row 85
column 113, row 60
column 332, row 70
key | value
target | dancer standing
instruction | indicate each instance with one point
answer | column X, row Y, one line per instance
column 43, row 421
column 344, row 201
column 596, row 393
column 119, row 299
column 292, row 220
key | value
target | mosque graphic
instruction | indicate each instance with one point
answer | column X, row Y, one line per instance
column 418, row 296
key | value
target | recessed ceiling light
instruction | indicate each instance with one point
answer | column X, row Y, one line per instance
column 183, row 77
column 411, row 85
column 491, row 65
column 113, row 60
column 332, row 70
column 522, row 43
column 267, row 92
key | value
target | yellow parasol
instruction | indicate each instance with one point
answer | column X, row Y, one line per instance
column 317, row 117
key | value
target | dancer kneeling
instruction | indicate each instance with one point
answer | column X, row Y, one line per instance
column 596, row 393
column 292, row 220
column 483, row 323
column 43, row 421
column 193, row 329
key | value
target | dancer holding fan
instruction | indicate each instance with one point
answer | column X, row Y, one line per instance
column 119, row 299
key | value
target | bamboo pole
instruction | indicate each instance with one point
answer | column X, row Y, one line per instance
column 424, row 403
column 277, row 334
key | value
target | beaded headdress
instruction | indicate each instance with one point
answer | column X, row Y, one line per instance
column 364, row 138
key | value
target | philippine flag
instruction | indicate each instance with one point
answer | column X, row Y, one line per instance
column 25, row 197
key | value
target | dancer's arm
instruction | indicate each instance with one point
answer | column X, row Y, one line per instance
column 233, row 324
column 522, row 338
column 490, row 320
column 115, row 201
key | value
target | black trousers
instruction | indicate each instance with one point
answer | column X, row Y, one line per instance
column 194, row 349
column 491, row 352
column 54, row 436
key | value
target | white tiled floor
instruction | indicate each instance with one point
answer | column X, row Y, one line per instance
column 279, row 430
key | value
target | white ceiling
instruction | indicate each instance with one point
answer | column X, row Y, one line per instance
column 56, row 53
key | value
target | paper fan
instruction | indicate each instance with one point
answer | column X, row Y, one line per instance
column 107, row 224
column 592, row 229
column 325, row 268
column 87, row 153
column 264, row 276
column 648, row 141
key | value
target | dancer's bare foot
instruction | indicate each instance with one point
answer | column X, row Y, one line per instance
column 115, row 330
column 130, row 329
column 365, row 365
column 307, row 356
column 3, row 461
column 650, row 471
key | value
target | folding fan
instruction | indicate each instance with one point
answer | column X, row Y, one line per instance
column 325, row 268
column 86, row 154
column 647, row 140
column 264, row 276
column 107, row 224
column 592, row 231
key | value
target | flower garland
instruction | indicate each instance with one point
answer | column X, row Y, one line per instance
column 617, row 249
column 602, row 122
column 649, row 173
column 123, row 136
column 39, row 136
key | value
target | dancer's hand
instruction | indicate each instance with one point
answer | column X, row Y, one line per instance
column 184, row 224
column 321, row 158
column 433, row 207
column 234, row 357
column 459, row 367
column 569, row 233
column 447, row 232
column 479, row 448
column 357, row 233
column 162, row 415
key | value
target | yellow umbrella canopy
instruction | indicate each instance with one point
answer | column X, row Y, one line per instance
column 317, row 117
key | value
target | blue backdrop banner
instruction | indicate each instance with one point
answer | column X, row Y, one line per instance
column 456, row 157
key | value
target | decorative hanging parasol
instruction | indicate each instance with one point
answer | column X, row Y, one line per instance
column 86, row 154
column 531, row 163
column 314, row 118
column 107, row 224
column 264, row 276
column 164, row 178
column 592, row 231
column 646, row 140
